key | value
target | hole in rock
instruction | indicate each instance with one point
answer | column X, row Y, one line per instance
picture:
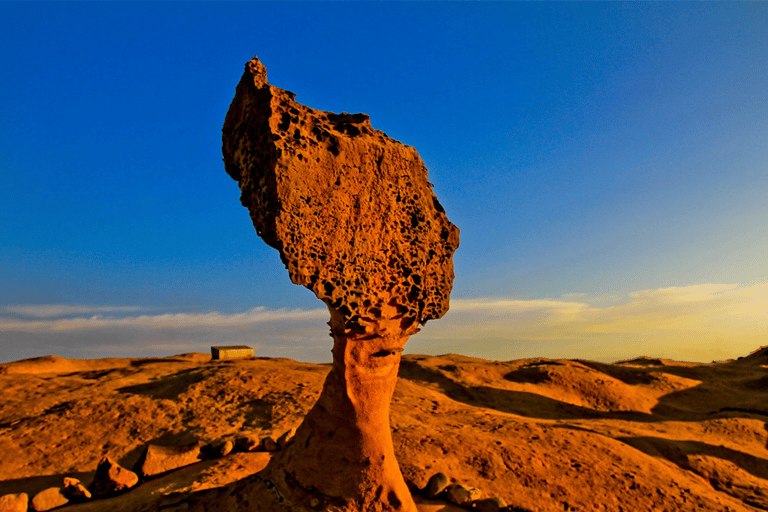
column 387, row 352
column 394, row 500
column 285, row 121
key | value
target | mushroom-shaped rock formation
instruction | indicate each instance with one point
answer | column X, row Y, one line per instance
column 355, row 220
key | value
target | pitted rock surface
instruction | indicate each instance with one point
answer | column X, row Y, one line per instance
column 355, row 220
column 349, row 209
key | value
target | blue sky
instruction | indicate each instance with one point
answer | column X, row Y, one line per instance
column 607, row 164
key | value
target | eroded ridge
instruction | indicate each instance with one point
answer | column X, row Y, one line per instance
column 349, row 209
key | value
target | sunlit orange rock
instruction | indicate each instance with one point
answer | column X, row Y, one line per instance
column 14, row 502
column 158, row 459
column 48, row 499
column 355, row 220
column 111, row 478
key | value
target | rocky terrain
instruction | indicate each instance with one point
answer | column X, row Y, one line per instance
column 542, row 435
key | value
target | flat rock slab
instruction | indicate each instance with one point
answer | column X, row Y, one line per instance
column 161, row 459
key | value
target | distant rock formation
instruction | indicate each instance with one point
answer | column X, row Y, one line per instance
column 355, row 220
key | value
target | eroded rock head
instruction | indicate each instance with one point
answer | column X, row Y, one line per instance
column 349, row 209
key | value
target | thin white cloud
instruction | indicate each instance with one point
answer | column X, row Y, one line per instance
column 301, row 334
column 573, row 295
column 698, row 323
column 57, row 310
column 164, row 321
column 510, row 305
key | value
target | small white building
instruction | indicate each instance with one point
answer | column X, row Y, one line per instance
column 231, row 352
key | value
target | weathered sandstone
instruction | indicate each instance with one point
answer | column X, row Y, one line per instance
column 437, row 484
column 355, row 220
column 161, row 459
column 112, row 478
column 269, row 444
column 461, row 494
column 494, row 504
column 226, row 448
column 14, row 502
column 247, row 443
column 48, row 499
column 74, row 489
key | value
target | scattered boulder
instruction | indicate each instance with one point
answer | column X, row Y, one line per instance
column 437, row 484
column 74, row 490
column 14, row 502
column 48, row 499
column 269, row 444
column 112, row 478
column 494, row 504
column 283, row 440
column 226, row 448
column 415, row 477
column 461, row 494
column 248, row 443
column 161, row 459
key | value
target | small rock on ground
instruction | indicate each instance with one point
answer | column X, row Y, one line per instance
column 269, row 444
column 48, row 499
column 462, row 494
column 112, row 478
column 73, row 489
column 226, row 448
column 494, row 504
column 436, row 484
column 161, row 459
column 247, row 443
column 14, row 502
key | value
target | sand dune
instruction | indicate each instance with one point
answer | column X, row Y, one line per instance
column 545, row 435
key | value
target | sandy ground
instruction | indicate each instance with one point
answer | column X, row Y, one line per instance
column 545, row 435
